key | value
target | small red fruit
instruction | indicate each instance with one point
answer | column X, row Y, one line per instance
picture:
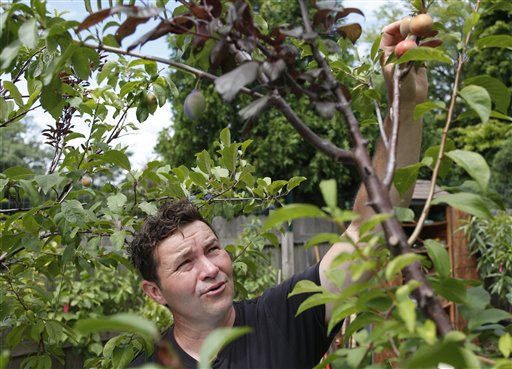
column 195, row 104
column 421, row 24
column 403, row 46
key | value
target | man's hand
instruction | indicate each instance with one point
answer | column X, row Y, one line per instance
column 414, row 86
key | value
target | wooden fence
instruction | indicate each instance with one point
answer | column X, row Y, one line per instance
column 292, row 256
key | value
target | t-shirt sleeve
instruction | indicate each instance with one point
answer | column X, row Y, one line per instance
column 306, row 333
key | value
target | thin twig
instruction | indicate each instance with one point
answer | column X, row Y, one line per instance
column 18, row 116
column 395, row 123
column 186, row 68
column 444, row 138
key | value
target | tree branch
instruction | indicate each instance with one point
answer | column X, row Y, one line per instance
column 186, row 68
column 378, row 195
column 444, row 138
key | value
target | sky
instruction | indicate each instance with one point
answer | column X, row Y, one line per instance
column 141, row 142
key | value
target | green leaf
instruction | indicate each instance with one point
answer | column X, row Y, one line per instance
column 294, row 182
column 501, row 41
column 123, row 322
column 291, row 212
column 447, row 352
column 204, row 162
column 118, row 158
column 216, row 341
column 427, row 106
column 329, row 192
column 225, row 137
column 73, row 212
column 404, row 214
column 405, row 177
column 478, row 298
column 468, row 202
column 9, row 53
column 487, row 316
column 424, row 54
column 142, row 112
column 452, row 289
column 13, row 92
column 116, row 202
column 49, row 181
column 229, row 155
column 373, row 222
column 321, row 238
column 306, row 286
column 397, row 264
column 479, row 100
column 505, row 344
column 474, row 164
column 470, row 22
column 407, row 312
column 18, row 172
column 497, row 90
column 80, row 64
column 28, row 33
column 439, row 256
column 432, row 153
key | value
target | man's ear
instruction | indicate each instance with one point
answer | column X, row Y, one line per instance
column 152, row 290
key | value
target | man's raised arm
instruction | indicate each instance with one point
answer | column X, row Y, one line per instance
column 413, row 90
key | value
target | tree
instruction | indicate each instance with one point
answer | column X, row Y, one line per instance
column 72, row 225
column 180, row 141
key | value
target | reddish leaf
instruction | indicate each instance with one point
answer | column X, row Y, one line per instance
column 351, row 31
column 347, row 11
column 201, row 37
column 93, row 19
column 274, row 70
column 164, row 28
column 218, row 53
column 215, row 7
column 128, row 27
column 229, row 84
column 323, row 17
column 200, row 12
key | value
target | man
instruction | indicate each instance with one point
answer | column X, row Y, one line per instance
column 185, row 267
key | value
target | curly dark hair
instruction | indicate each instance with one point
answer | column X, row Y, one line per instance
column 171, row 217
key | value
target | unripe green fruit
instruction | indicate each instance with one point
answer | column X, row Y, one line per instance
column 195, row 104
column 403, row 46
column 86, row 181
column 150, row 99
column 421, row 24
column 405, row 26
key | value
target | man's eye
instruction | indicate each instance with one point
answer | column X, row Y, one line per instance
column 214, row 248
column 183, row 264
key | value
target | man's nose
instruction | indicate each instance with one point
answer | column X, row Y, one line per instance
column 208, row 268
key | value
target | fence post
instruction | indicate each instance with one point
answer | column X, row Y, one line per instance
column 287, row 257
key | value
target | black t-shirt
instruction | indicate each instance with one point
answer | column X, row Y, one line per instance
column 279, row 339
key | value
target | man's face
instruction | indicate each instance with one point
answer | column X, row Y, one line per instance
column 196, row 274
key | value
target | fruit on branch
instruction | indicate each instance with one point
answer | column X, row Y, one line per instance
column 150, row 99
column 405, row 26
column 403, row 46
column 195, row 104
column 421, row 25
column 86, row 181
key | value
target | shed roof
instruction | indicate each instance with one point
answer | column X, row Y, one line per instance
column 422, row 188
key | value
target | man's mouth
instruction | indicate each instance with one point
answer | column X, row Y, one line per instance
column 215, row 289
